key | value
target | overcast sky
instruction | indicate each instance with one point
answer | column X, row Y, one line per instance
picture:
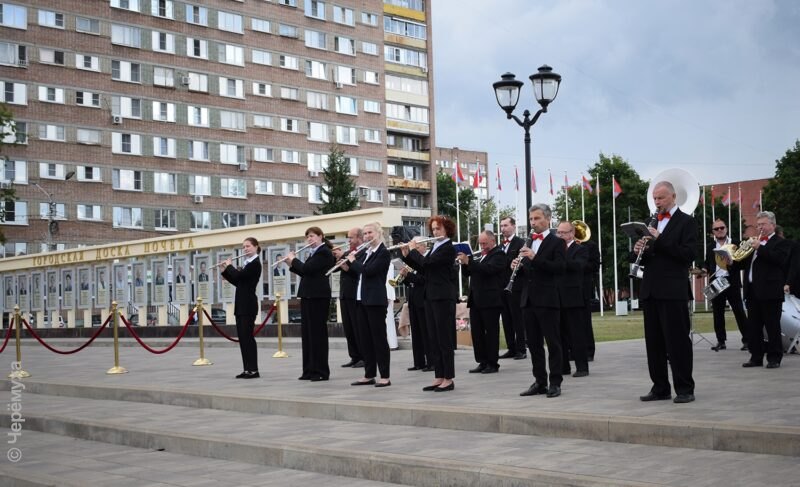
column 708, row 86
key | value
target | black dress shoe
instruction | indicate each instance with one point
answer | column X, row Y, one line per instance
column 428, row 369
column 304, row 377
column 446, row 388
column 349, row 364
column 508, row 354
column 415, row 368
column 520, row 356
column 683, row 398
column 652, row 396
column 242, row 375
column 773, row 365
column 566, row 371
column 534, row 389
column 744, row 348
column 384, row 384
column 751, row 363
column 554, row 391
column 590, row 358
column 478, row 369
column 580, row 373
column 363, row 382
column 430, row 388
column 719, row 346
column 491, row 369
column 318, row 378
column 251, row 374
column 358, row 364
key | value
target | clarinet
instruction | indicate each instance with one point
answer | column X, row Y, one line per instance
column 510, row 285
column 637, row 270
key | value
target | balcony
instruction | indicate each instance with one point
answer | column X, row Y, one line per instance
column 408, row 155
column 412, row 184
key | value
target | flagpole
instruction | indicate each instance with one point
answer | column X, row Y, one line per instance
column 497, row 205
column 583, row 206
column 740, row 212
column 705, row 247
column 478, row 179
column 457, row 170
column 516, row 190
column 600, row 247
column 729, row 208
column 614, row 242
column 713, row 217
column 760, row 200
column 566, row 196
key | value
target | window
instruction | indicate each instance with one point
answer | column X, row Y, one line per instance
column 51, row 19
column 262, row 121
column 126, row 71
column 353, row 162
column 59, row 211
column 230, row 219
column 316, row 100
column 228, row 54
column 198, row 150
column 288, row 31
column 369, row 48
column 417, row 5
column 200, row 220
column 51, row 170
column 13, row 16
column 290, row 125
column 369, row 19
column 196, row 15
column 163, row 9
column 346, row 135
column 346, row 104
column 229, row 22
column 163, row 147
column 163, row 76
column 232, row 188
column 51, row 56
column 51, row 132
column 261, row 57
column 289, row 93
column 290, row 156
column 126, row 179
column 288, row 3
column 408, row 57
column 407, row 85
column 259, row 25
column 15, row 212
column 198, row 82
column 372, row 135
column 197, row 48
column 126, row 36
column 372, row 106
column 315, row 194
column 345, row 75
column 126, row 107
column 288, row 62
column 88, row 136
column 164, row 182
column 315, row 9
column 163, row 42
column 126, row 4
column 90, row 212
column 317, row 162
column 262, row 89
column 87, row 99
column 231, row 154
column 89, row 173
column 126, row 217
column 199, row 185
column 371, row 77
column 14, row 171
column 317, row 40
column 372, row 165
column 163, row 111
column 263, row 154
column 316, row 69
column 404, row 28
column 231, row 120
column 198, row 116
column 375, row 195
column 164, row 219
column 290, row 189
column 51, row 95
column 233, row 88
column 86, row 62
column 344, row 45
column 264, row 187
column 343, row 15
column 89, row 26
column 318, row 131
column 126, row 143
column 407, row 112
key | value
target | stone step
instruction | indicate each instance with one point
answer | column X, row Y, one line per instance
column 411, row 455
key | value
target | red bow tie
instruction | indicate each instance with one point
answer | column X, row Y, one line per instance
column 506, row 241
column 764, row 240
column 484, row 252
column 663, row 216
column 537, row 236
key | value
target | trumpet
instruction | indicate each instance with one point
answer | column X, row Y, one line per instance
column 509, row 287
column 399, row 279
column 477, row 255
column 233, row 259
column 424, row 240
column 296, row 252
column 343, row 260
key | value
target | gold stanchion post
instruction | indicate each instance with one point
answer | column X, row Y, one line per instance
column 280, row 353
column 199, row 310
column 18, row 372
column 116, row 369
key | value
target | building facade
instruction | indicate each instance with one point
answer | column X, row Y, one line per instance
column 139, row 118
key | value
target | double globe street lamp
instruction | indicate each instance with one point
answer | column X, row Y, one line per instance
column 545, row 89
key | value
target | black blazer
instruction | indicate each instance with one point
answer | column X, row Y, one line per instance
column 793, row 278
column 348, row 280
column 246, row 281
column 486, row 283
column 769, row 270
column 514, row 245
column 710, row 265
column 314, row 282
column 437, row 268
column 591, row 269
column 570, row 284
column 373, row 273
column 667, row 259
column 415, row 285
column 540, row 275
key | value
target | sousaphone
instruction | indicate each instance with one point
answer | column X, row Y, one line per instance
column 687, row 189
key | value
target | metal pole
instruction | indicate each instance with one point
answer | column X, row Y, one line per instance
column 280, row 353
column 199, row 310
column 527, row 126
column 18, row 372
column 116, row 369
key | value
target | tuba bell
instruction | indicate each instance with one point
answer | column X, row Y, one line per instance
column 687, row 189
column 582, row 231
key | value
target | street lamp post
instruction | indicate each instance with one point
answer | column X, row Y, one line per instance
column 52, row 224
column 545, row 89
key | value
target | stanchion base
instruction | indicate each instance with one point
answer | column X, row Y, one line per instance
column 117, row 370
column 202, row 361
column 280, row 354
column 18, row 374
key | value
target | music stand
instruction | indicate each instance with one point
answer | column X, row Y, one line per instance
column 692, row 332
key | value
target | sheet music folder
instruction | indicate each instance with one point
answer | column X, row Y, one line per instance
column 635, row 230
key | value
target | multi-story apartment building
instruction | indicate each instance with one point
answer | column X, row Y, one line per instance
column 471, row 162
column 177, row 116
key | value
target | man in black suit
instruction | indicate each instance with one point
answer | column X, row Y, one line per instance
column 348, row 283
column 573, row 303
column 485, row 300
column 541, row 266
column 420, row 341
column 589, row 284
column 666, row 260
column 733, row 294
column 764, row 278
column 513, row 325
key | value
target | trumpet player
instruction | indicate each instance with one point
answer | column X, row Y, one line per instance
column 573, row 304
column 420, row 336
column 485, row 301
column 348, row 284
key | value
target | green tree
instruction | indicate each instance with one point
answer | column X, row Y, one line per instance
column 7, row 130
column 446, row 201
column 782, row 193
column 339, row 191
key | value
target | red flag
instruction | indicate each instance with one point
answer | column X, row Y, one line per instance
column 477, row 178
column 533, row 181
column 499, row 186
column 756, row 205
column 586, row 184
column 551, row 184
column 458, row 176
column 727, row 199
column 703, row 195
column 516, row 179
column 617, row 188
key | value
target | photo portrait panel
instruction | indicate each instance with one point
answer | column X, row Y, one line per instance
column 84, row 288
column 180, row 281
column 121, row 282
column 102, row 288
column 279, row 275
column 37, row 291
column 160, row 293
column 202, row 278
column 139, row 280
column 52, row 296
column 9, row 293
column 67, row 288
column 226, row 289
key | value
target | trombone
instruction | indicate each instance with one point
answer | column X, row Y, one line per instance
column 343, row 260
column 296, row 252
column 423, row 240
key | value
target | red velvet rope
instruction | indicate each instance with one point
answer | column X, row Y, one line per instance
column 150, row 349
column 69, row 352
column 8, row 335
column 264, row 323
column 255, row 332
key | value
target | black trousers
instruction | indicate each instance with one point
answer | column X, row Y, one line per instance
column 420, row 341
column 314, row 334
column 485, row 330
column 589, row 331
column 666, row 334
column 733, row 296
column 513, row 324
column 440, row 317
column 541, row 325
column 374, row 347
column 350, row 325
column 765, row 314
column 573, row 339
column 245, row 324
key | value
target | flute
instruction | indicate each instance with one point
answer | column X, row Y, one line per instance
column 424, row 240
column 296, row 252
column 232, row 259
column 343, row 260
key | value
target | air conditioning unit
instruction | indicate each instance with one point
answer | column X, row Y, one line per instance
column 243, row 166
column 185, row 80
column 338, row 84
column 22, row 63
column 198, row 198
column 116, row 119
column 313, row 174
column 5, row 185
column 424, row 69
column 363, row 191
